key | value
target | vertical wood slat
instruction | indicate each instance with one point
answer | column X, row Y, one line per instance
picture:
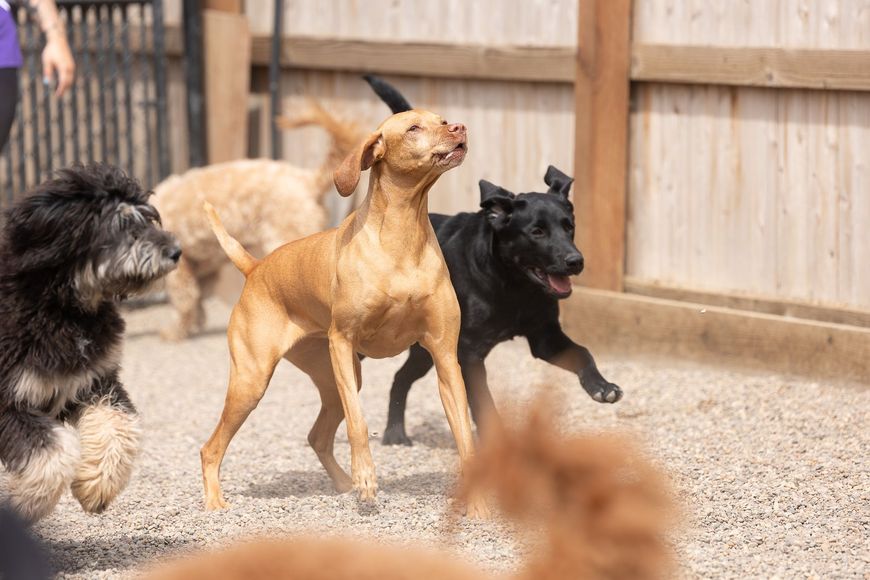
column 601, row 152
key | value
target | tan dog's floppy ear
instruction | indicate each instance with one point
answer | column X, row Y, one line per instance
column 346, row 175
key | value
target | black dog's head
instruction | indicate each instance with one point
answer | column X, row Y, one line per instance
column 89, row 232
column 535, row 231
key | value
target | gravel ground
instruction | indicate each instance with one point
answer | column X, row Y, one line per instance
column 773, row 471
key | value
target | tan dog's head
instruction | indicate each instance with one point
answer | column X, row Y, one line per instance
column 417, row 145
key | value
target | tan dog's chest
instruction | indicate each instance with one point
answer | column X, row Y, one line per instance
column 390, row 307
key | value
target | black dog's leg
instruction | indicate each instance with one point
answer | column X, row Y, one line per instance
column 552, row 345
column 109, row 431
column 479, row 396
column 418, row 364
column 41, row 455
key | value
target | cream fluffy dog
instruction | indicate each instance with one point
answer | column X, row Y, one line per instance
column 265, row 203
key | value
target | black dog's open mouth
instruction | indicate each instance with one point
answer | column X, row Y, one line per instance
column 558, row 285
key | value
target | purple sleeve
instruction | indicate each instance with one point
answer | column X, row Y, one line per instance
column 10, row 52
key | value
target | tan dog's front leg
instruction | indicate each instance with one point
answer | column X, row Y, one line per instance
column 345, row 366
column 453, row 397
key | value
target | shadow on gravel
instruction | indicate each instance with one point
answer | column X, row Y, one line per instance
column 156, row 332
column 432, row 434
column 421, row 484
column 95, row 555
column 292, row 484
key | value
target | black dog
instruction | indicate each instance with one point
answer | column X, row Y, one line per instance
column 69, row 251
column 510, row 264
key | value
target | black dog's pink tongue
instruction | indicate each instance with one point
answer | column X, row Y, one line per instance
column 561, row 284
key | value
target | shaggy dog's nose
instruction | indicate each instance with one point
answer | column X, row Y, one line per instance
column 175, row 253
column 456, row 128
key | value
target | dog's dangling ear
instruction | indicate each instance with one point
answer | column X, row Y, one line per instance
column 497, row 202
column 558, row 182
column 346, row 175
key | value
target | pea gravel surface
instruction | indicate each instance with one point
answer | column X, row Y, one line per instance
column 772, row 472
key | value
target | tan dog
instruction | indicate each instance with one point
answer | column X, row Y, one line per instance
column 269, row 204
column 375, row 285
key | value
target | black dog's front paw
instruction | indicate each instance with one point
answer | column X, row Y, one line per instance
column 395, row 435
column 601, row 390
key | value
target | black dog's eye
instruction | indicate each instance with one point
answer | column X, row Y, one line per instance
column 537, row 232
column 569, row 227
column 413, row 128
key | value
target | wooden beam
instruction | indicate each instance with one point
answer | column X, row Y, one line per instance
column 778, row 307
column 636, row 325
column 601, row 151
column 231, row 6
column 421, row 58
column 227, row 48
column 752, row 66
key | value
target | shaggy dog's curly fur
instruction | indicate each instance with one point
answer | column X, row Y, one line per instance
column 603, row 509
column 265, row 203
column 69, row 251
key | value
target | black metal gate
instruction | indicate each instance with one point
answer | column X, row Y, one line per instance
column 116, row 110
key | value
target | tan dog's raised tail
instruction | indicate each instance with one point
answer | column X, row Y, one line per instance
column 375, row 285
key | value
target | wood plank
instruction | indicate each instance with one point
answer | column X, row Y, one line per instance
column 752, row 66
column 518, row 63
column 778, row 307
column 601, row 151
column 227, row 48
column 636, row 325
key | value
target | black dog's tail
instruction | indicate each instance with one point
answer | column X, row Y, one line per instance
column 388, row 94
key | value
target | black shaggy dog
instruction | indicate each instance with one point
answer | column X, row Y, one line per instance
column 510, row 264
column 69, row 251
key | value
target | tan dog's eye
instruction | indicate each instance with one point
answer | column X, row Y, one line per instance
column 443, row 122
column 413, row 128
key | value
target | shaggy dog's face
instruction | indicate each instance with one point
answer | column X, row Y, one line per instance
column 90, row 233
column 130, row 251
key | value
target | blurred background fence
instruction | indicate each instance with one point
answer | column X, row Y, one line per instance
column 115, row 111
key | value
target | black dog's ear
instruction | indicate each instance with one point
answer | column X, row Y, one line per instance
column 558, row 182
column 497, row 202
column 388, row 94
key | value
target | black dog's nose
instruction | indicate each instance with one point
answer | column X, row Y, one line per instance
column 175, row 253
column 575, row 262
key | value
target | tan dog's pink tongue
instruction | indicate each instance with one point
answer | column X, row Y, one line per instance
column 560, row 284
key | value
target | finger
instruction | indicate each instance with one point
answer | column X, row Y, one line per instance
column 48, row 69
column 66, row 77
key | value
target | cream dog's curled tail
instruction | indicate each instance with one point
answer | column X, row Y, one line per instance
column 244, row 261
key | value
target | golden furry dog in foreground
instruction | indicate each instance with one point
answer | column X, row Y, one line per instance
column 265, row 204
column 604, row 510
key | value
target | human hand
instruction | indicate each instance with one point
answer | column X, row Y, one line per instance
column 57, row 60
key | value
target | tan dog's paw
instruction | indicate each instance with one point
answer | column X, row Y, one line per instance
column 216, row 503
column 477, row 509
column 343, row 484
column 174, row 333
column 366, row 484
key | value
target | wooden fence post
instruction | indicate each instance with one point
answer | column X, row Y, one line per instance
column 601, row 153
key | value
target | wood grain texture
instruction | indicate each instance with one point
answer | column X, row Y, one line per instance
column 637, row 325
column 778, row 307
column 227, row 55
column 741, row 190
column 474, row 61
column 752, row 66
column 601, row 147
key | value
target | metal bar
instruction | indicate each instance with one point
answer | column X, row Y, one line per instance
column 87, row 77
column 35, row 77
column 275, row 77
column 193, row 65
column 74, row 92
column 101, row 84
column 19, row 122
column 113, row 87
column 126, row 65
column 160, row 81
column 61, row 122
column 148, row 174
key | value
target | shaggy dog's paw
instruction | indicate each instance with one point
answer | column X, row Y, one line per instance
column 602, row 391
column 396, row 436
